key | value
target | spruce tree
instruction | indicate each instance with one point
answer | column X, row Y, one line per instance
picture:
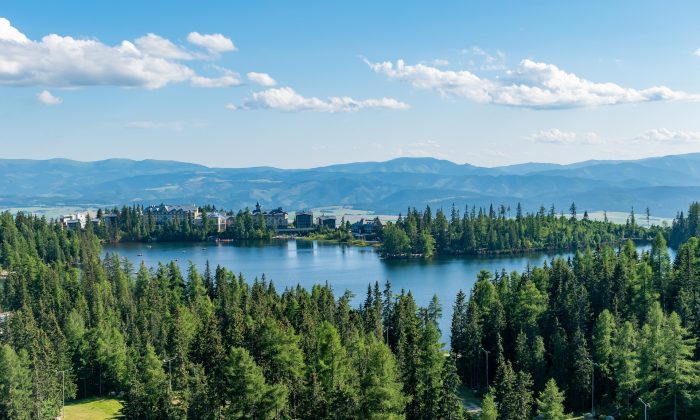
column 15, row 385
column 550, row 404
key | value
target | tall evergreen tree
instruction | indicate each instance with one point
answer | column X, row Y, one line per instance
column 15, row 385
column 550, row 404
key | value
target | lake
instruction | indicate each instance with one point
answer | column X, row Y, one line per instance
column 290, row 262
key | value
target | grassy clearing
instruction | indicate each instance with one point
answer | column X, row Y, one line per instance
column 94, row 408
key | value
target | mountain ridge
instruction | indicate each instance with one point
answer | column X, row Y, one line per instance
column 382, row 186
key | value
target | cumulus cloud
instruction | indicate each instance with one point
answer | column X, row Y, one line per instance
column 150, row 61
column 531, row 85
column 215, row 43
column 45, row 97
column 263, row 79
column 228, row 78
column 664, row 135
column 286, row 99
column 557, row 136
column 158, row 46
column 9, row 33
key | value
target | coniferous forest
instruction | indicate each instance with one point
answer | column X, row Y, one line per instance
column 491, row 231
column 208, row 344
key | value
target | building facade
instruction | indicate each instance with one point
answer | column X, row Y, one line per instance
column 328, row 222
column 163, row 214
column 304, row 220
column 366, row 227
column 277, row 218
column 218, row 220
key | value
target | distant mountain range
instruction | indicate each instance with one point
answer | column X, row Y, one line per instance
column 664, row 184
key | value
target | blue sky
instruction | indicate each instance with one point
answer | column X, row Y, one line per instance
column 298, row 85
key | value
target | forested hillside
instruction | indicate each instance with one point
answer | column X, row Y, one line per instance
column 210, row 344
column 627, row 321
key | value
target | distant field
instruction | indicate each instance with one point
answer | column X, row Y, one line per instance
column 349, row 213
column 48, row 212
column 621, row 218
column 94, row 408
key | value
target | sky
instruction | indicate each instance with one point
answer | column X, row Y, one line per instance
column 305, row 84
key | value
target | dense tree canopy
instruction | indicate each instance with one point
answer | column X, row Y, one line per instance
column 210, row 344
column 499, row 230
column 205, row 345
column 625, row 319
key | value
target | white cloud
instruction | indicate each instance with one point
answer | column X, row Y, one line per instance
column 556, row 136
column 660, row 136
column 215, row 43
column 697, row 52
column 263, row 79
column 663, row 135
column 45, row 97
column 66, row 61
column 531, row 85
column 150, row 61
column 286, row 99
column 228, row 78
column 158, row 46
column 215, row 82
column 11, row 34
column 489, row 62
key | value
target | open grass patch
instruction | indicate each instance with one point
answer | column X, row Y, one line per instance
column 94, row 408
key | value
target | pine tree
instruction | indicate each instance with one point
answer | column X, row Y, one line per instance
column 247, row 394
column 15, row 385
column 626, row 364
column 550, row 404
column 429, row 371
column 329, row 372
column 680, row 373
column 602, row 350
column 280, row 357
column 582, row 370
column 449, row 400
column 380, row 391
column 513, row 393
column 148, row 395
column 489, row 409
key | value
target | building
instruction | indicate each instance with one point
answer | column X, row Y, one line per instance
column 326, row 222
column 73, row 221
column 109, row 219
column 276, row 218
column 218, row 220
column 304, row 220
column 163, row 214
column 366, row 227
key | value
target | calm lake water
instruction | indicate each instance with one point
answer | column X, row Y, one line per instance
column 289, row 262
